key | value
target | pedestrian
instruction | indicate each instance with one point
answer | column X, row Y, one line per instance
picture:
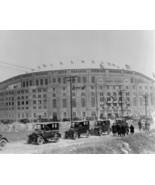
column 139, row 125
column 132, row 129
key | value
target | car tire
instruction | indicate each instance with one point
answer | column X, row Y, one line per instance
column 40, row 140
column 75, row 135
column 28, row 141
column 3, row 143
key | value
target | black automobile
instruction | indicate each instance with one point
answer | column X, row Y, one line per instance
column 44, row 132
column 77, row 129
column 102, row 127
column 3, row 141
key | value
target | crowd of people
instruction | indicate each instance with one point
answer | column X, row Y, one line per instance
column 122, row 129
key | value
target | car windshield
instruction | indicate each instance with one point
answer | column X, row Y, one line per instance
column 38, row 127
column 98, row 123
column 74, row 125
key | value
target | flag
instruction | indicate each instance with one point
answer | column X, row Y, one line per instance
column 101, row 66
column 44, row 65
column 113, row 65
column 82, row 61
column 83, row 87
column 51, row 65
column 93, row 62
column 38, row 67
column 61, row 63
column 109, row 64
column 32, row 69
column 118, row 67
column 72, row 62
column 127, row 66
column 26, row 72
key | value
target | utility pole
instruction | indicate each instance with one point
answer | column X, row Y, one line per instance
column 71, row 79
column 121, row 103
column 146, row 98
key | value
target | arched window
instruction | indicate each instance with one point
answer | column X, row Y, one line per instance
column 39, row 96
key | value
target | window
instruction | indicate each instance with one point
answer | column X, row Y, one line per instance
column 39, row 102
column 23, row 84
column 92, row 94
column 74, row 114
column 84, row 79
column 30, row 82
column 64, row 103
column 34, row 96
column 74, row 102
column 39, row 96
column 83, row 102
column 46, row 81
column 54, row 95
column 73, row 94
column 41, row 81
column 64, row 80
column 54, row 103
column 59, row 80
column 37, row 82
column 84, row 114
column 64, row 114
column 27, row 83
column 27, row 102
column 44, row 96
column 79, row 80
column 64, row 95
column 54, row 80
column 93, row 79
column 92, row 101
column 34, row 90
column 82, row 94
column 22, row 102
column 64, row 88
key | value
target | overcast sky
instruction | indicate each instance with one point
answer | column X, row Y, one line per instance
column 35, row 48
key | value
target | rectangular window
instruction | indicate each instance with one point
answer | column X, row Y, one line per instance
column 64, row 80
column 54, row 80
column 41, row 81
column 37, row 82
column 23, row 84
column 27, row 83
column 74, row 102
column 54, row 103
column 92, row 101
column 93, row 79
column 84, row 79
column 79, row 80
column 59, row 80
column 83, row 102
column 64, row 103
column 30, row 82
column 46, row 81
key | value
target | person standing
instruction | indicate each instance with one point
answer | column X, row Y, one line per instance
column 139, row 125
column 132, row 129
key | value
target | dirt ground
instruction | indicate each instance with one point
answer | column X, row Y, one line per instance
column 140, row 142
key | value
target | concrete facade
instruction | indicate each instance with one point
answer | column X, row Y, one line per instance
column 95, row 92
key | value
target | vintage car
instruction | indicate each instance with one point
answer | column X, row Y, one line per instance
column 3, row 141
column 101, row 127
column 120, row 121
column 44, row 132
column 77, row 129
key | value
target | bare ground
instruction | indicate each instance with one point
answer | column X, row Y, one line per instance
column 140, row 142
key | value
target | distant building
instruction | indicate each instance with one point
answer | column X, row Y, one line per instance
column 95, row 92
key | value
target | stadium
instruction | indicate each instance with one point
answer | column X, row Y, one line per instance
column 93, row 92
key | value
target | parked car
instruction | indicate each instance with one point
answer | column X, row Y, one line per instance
column 3, row 141
column 44, row 132
column 77, row 129
column 102, row 126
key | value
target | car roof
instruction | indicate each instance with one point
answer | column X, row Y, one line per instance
column 46, row 123
column 78, row 121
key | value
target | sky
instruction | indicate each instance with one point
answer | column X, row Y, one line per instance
column 31, row 49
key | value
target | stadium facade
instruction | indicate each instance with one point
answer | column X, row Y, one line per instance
column 95, row 93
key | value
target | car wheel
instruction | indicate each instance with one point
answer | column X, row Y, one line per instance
column 28, row 141
column 75, row 135
column 3, row 143
column 87, row 134
column 40, row 140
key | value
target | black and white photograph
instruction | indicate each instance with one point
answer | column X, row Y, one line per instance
column 77, row 92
